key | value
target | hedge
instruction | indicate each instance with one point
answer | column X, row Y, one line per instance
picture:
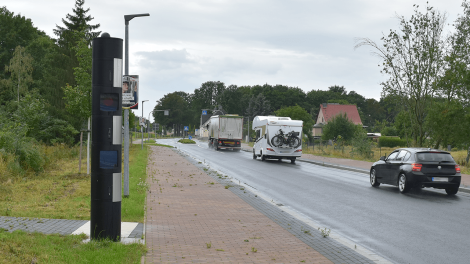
column 391, row 142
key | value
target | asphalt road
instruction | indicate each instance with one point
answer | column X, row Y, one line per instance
column 423, row 226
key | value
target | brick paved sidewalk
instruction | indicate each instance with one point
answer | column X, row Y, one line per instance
column 192, row 218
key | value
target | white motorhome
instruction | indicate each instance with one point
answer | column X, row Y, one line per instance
column 277, row 138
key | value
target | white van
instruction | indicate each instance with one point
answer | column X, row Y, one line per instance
column 277, row 138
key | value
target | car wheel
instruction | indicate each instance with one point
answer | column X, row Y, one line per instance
column 373, row 178
column 292, row 161
column 254, row 155
column 263, row 158
column 452, row 191
column 403, row 185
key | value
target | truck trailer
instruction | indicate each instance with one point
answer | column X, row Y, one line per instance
column 277, row 138
column 225, row 132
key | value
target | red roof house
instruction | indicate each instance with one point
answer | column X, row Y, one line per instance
column 329, row 111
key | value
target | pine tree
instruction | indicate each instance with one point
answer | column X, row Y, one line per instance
column 78, row 22
column 68, row 37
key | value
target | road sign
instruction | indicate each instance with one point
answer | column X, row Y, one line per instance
column 186, row 128
column 204, row 112
column 190, row 137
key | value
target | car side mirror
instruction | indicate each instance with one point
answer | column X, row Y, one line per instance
column 382, row 158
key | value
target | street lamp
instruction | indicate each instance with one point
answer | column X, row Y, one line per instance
column 148, row 128
column 127, row 18
column 142, row 127
column 165, row 112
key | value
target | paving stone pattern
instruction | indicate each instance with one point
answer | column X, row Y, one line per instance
column 42, row 225
column 52, row 226
column 329, row 248
column 193, row 218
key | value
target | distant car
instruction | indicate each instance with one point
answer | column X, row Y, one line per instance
column 417, row 167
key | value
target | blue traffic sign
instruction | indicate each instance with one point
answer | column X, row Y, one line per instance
column 204, row 112
column 190, row 137
column 186, row 128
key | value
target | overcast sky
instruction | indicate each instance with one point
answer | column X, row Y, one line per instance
column 305, row 44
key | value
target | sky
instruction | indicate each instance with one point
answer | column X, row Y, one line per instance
column 299, row 43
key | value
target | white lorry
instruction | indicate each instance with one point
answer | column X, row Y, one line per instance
column 277, row 138
column 225, row 131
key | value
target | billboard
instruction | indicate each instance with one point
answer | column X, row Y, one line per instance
column 130, row 91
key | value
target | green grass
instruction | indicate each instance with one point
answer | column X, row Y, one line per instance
column 187, row 141
column 61, row 192
column 22, row 247
column 132, row 207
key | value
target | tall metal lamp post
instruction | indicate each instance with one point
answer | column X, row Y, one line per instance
column 142, row 127
column 165, row 112
column 127, row 18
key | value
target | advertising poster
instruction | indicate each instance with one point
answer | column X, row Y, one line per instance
column 130, row 91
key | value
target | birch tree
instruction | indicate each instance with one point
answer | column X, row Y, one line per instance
column 413, row 59
column 21, row 69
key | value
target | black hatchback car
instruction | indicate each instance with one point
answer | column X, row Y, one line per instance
column 417, row 167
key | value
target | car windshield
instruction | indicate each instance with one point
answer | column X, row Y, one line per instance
column 435, row 156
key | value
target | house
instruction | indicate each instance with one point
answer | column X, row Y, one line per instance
column 329, row 111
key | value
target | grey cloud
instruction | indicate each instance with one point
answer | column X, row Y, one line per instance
column 164, row 59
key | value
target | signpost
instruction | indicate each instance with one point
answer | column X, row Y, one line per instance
column 186, row 129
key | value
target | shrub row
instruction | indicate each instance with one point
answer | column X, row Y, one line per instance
column 391, row 142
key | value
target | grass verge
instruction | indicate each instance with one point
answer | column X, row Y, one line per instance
column 187, row 141
column 62, row 193
column 22, row 247
column 133, row 206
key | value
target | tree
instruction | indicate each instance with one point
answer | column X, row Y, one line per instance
column 16, row 31
column 339, row 125
column 298, row 113
column 77, row 22
column 78, row 97
column 413, row 59
column 206, row 97
column 180, row 113
column 20, row 69
column 444, row 115
column 233, row 100
column 456, row 79
column 68, row 38
column 258, row 106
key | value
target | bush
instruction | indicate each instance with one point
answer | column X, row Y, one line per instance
column 339, row 125
column 362, row 145
column 389, row 131
column 187, row 141
column 391, row 142
column 25, row 150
